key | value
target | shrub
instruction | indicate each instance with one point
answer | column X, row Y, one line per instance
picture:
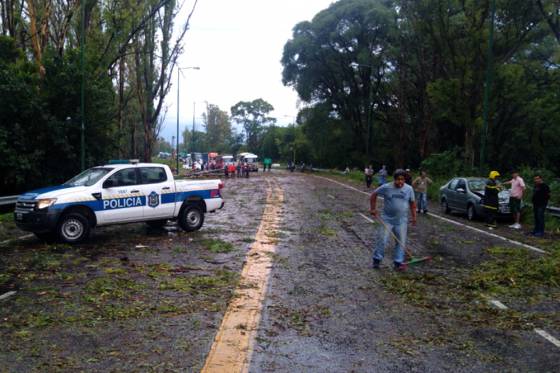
column 447, row 163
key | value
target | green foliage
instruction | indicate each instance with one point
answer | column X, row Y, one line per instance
column 217, row 246
column 420, row 93
column 40, row 123
column 442, row 164
column 218, row 129
column 516, row 271
column 253, row 115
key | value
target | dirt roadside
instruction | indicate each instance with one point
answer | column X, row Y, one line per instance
column 130, row 299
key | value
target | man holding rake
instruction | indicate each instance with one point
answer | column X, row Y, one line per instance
column 398, row 201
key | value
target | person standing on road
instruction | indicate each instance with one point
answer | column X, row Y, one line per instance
column 368, row 172
column 491, row 199
column 382, row 173
column 267, row 163
column 515, row 197
column 541, row 195
column 238, row 168
column 398, row 200
column 408, row 177
column 420, row 185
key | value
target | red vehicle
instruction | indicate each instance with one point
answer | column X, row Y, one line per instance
column 215, row 161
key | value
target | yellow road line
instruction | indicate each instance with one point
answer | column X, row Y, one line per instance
column 234, row 342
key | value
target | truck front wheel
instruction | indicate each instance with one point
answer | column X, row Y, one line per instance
column 73, row 228
column 191, row 218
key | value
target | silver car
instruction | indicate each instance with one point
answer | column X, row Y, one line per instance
column 465, row 194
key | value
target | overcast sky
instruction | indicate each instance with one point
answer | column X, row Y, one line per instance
column 238, row 45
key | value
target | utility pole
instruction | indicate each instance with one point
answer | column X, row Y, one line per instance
column 488, row 85
column 193, row 116
column 82, row 88
column 178, row 104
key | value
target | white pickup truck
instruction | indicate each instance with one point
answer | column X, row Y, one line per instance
column 124, row 192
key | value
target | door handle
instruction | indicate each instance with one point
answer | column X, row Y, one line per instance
column 165, row 188
column 134, row 191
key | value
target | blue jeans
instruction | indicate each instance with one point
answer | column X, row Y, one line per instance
column 422, row 201
column 385, row 236
column 539, row 219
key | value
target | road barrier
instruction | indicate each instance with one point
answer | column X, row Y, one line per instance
column 8, row 200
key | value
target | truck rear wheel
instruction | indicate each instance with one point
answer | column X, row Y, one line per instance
column 191, row 218
column 73, row 228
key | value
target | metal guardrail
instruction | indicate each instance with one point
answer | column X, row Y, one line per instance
column 8, row 200
column 554, row 211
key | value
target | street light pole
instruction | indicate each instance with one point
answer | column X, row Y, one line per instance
column 193, row 118
column 178, row 105
column 82, row 88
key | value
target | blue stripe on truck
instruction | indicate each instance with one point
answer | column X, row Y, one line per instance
column 120, row 203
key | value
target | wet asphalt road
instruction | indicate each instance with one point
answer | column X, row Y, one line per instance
column 325, row 309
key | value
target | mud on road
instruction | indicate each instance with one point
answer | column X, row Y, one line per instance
column 131, row 298
column 327, row 310
column 134, row 299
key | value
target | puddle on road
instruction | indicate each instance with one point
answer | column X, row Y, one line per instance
column 233, row 345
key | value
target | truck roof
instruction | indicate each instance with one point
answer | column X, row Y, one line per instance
column 126, row 165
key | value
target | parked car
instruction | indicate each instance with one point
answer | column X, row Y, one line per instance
column 465, row 194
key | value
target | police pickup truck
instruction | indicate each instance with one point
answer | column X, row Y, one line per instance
column 124, row 192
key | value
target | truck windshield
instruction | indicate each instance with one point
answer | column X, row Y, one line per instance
column 88, row 177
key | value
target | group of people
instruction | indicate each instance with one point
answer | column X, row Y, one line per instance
column 540, row 198
column 419, row 185
column 401, row 195
column 237, row 169
column 369, row 173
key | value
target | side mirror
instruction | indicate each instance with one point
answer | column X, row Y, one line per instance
column 461, row 190
column 109, row 183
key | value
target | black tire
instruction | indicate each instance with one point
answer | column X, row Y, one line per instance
column 48, row 237
column 156, row 223
column 445, row 207
column 73, row 228
column 191, row 217
column 471, row 212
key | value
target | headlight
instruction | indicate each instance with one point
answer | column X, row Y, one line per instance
column 45, row 202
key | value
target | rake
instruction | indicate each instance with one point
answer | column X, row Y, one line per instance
column 411, row 259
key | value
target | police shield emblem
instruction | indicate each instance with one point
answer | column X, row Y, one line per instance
column 153, row 200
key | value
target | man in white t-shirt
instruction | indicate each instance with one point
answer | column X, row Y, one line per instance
column 515, row 197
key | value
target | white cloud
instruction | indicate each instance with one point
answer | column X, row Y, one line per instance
column 238, row 45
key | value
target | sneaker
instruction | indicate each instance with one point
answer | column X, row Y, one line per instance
column 490, row 228
column 425, row 211
column 376, row 263
column 517, row 226
column 399, row 267
column 513, row 226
